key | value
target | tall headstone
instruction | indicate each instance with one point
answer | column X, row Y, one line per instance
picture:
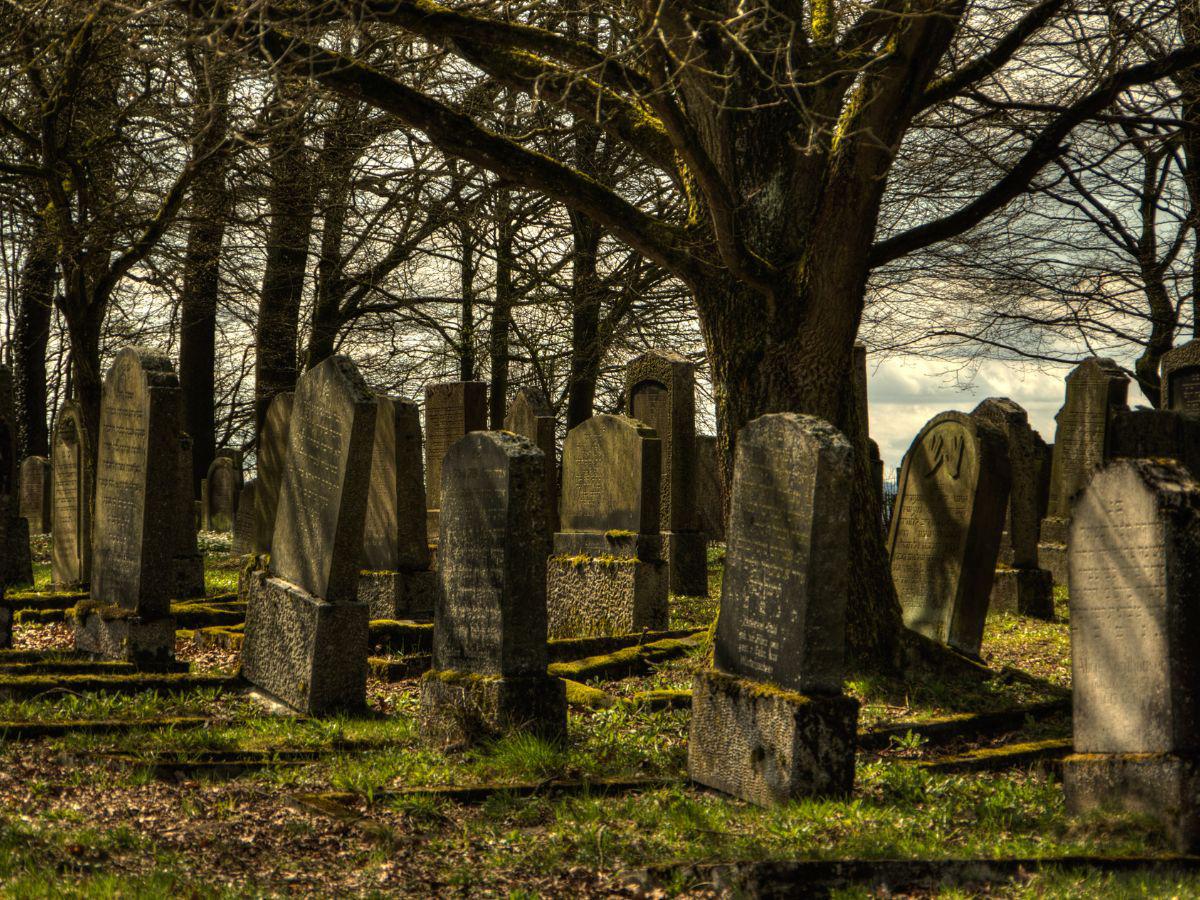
column 708, row 488
column 135, row 528
column 530, row 415
column 224, row 485
column 71, row 528
column 944, row 538
column 1180, row 385
column 452, row 409
column 396, row 581
column 1020, row 585
column 660, row 390
column 16, row 563
column 489, row 637
column 243, row 525
column 36, row 493
column 1135, row 611
column 769, row 722
column 1096, row 390
column 607, row 575
column 272, row 457
column 306, row 632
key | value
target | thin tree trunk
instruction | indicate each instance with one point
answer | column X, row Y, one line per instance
column 586, row 295
column 466, row 349
column 31, row 333
column 502, row 311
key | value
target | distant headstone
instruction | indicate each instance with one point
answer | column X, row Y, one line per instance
column 452, row 409
column 770, row 723
column 36, row 493
column 224, row 485
column 1180, row 385
column 708, row 488
column 272, row 457
column 530, row 415
column 306, row 633
column 944, row 538
column 607, row 576
column 1135, row 607
column 243, row 525
column 660, row 390
column 71, row 544
column 489, row 639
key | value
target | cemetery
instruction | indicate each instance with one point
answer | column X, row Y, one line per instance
column 587, row 451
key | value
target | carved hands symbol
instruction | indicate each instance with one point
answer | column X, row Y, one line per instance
column 947, row 451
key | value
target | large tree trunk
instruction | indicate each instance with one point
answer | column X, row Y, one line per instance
column 30, row 336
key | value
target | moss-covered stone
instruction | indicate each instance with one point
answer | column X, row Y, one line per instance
column 467, row 708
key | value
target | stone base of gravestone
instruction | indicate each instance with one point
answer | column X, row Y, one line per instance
column 247, row 574
column 588, row 596
column 303, row 651
column 1053, row 558
column 1024, row 592
column 433, row 525
column 117, row 634
column 767, row 745
column 1054, row 530
column 1163, row 786
column 686, row 553
column 398, row 595
column 465, row 708
column 189, row 577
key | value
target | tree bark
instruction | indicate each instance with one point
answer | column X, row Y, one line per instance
column 31, row 333
column 501, row 311
column 466, row 340
column 587, row 293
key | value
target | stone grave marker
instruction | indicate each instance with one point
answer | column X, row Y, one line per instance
column 243, row 525
column 452, row 409
column 944, row 538
column 607, row 575
column 71, row 528
column 489, row 639
column 272, row 457
column 770, row 723
column 1180, row 385
column 36, row 493
column 306, row 632
column 530, row 415
column 708, row 488
column 188, row 560
column 224, row 485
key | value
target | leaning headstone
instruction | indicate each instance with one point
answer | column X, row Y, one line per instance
column 71, row 531
column 1180, row 385
column 489, row 634
column 136, row 513
column 243, row 524
column 1135, row 608
column 396, row 581
column 944, row 538
column 36, row 493
column 16, row 563
column 306, row 632
column 1096, row 390
column 1020, row 586
column 224, row 485
column 770, row 723
column 272, row 457
column 708, row 488
column 188, row 562
column 452, row 409
column 530, row 415
column 607, row 575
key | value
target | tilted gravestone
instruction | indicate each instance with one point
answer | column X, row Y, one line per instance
column 243, row 525
column 607, row 575
column 452, row 409
column 708, row 488
column 36, row 493
column 16, row 562
column 1135, row 611
column 71, row 531
column 135, row 527
column 1180, row 385
column 530, row 415
column 1020, row 586
column 306, row 632
column 1096, row 390
column 660, row 387
column 396, row 581
column 769, row 722
column 489, row 633
column 224, row 485
column 272, row 457
column 944, row 538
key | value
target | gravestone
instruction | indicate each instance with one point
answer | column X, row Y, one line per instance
column 306, row 632
column 769, row 722
column 188, row 561
column 1020, row 585
column 607, row 575
column 16, row 563
column 396, row 581
column 1096, row 389
column 1135, row 610
column 944, row 538
column 272, row 457
column 708, row 488
column 530, row 415
column 224, row 484
column 1180, row 385
column 243, row 525
column 36, row 493
column 1155, row 434
column 452, row 409
column 71, row 541
column 136, row 529
column 489, row 635
column 660, row 391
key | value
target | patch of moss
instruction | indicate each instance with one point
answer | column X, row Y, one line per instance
column 454, row 676
column 587, row 696
column 109, row 612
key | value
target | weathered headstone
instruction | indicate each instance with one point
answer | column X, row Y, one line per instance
column 770, row 723
column 1096, row 389
column 607, row 575
column 188, row 562
column 708, row 488
column 1155, row 434
column 136, row 531
column 660, row 390
column 944, row 538
column 71, row 541
column 16, row 563
column 224, row 485
column 489, row 637
column 530, row 415
column 397, row 582
column 272, row 457
column 243, row 525
column 452, row 409
column 1020, row 586
column 1180, row 385
column 36, row 493
column 1135, row 610
column 306, row 632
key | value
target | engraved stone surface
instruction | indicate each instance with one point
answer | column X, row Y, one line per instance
column 71, row 544
column 611, row 477
column 452, row 409
column 272, row 457
column 224, row 485
column 944, row 538
column 1018, row 543
column 36, row 493
column 1180, row 386
column 394, row 536
column 708, row 488
column 530, row 415
column 243, row 526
